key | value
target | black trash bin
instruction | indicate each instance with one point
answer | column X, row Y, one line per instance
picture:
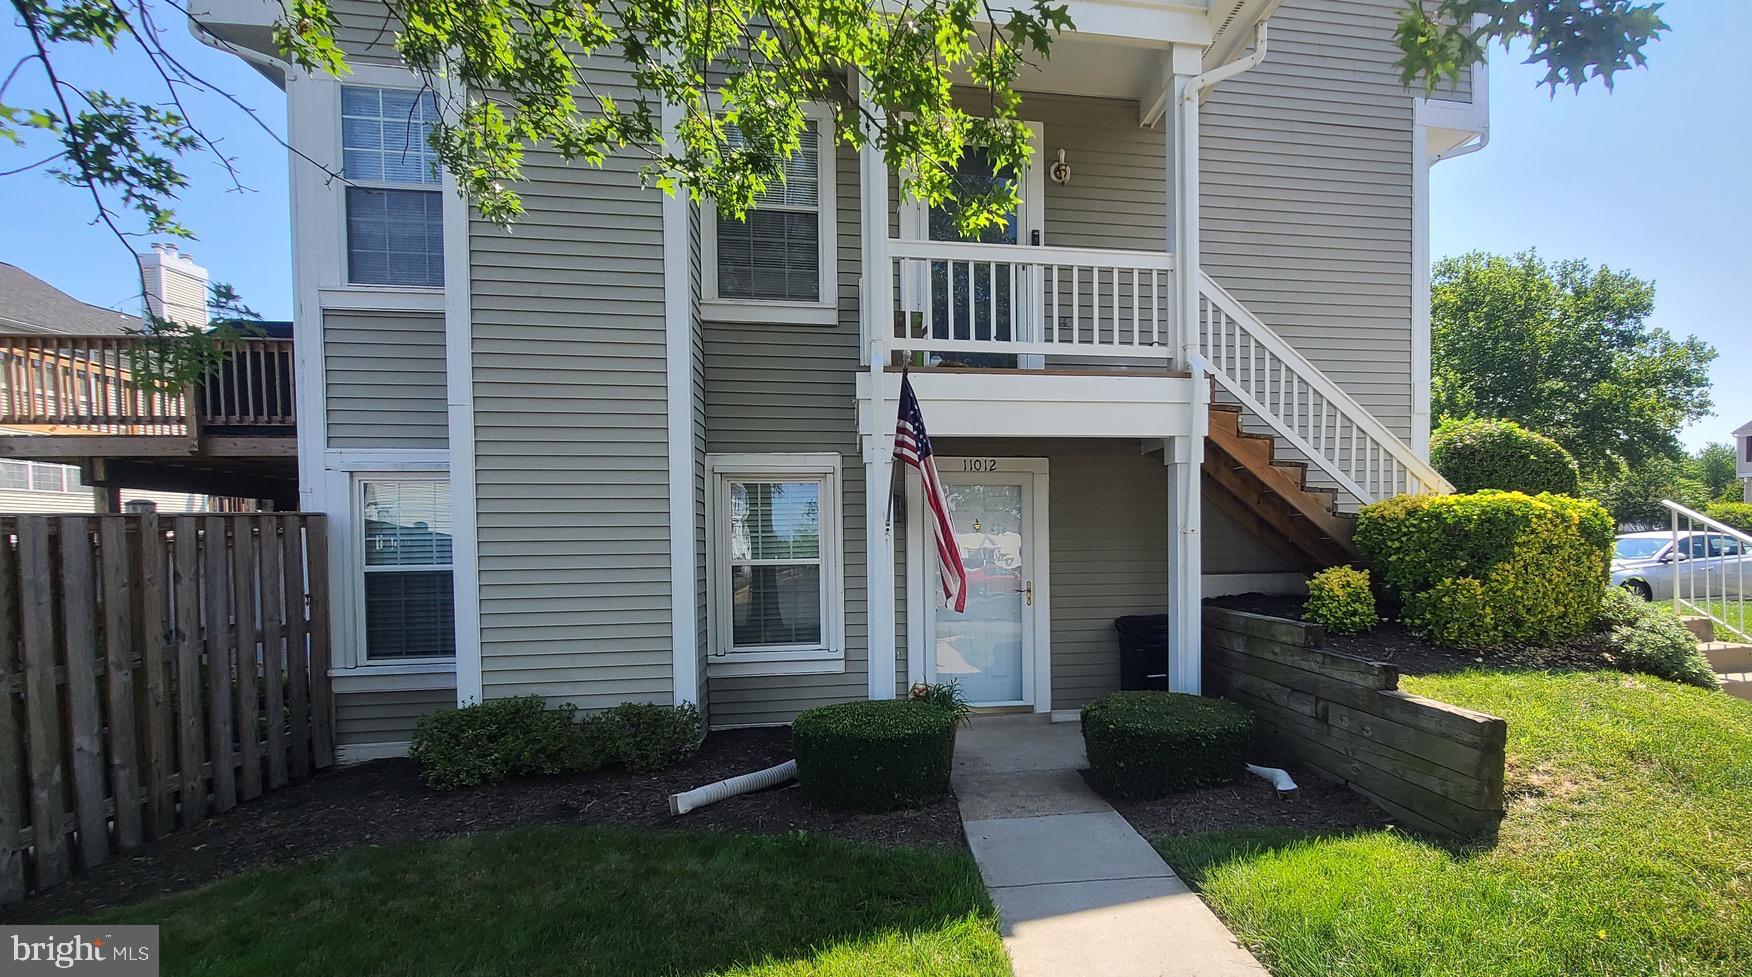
column 1143, row 651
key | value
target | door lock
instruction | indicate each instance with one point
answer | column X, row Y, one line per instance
column 1029, row 593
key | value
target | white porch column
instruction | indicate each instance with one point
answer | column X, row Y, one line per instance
column 1184, row 455
column 876, row 314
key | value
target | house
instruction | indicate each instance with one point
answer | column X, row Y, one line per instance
column 628, row 450
column 31, row 311
column 1743, row 458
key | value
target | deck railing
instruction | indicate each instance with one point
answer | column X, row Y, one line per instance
column 100, row 385
column 971, row 302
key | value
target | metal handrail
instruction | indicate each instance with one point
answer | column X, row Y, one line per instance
column 1686, row 597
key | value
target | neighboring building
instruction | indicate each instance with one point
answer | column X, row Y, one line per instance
column 30, row 306
column 628, row 450
column 1743, row 456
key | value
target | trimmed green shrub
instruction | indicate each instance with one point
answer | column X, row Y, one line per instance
column 490, row 741
column 1144, row 745
column 875, row 755
column 1503, row 455
column 1646, row 637
column 1491, row 569
column 646, row 736
column 1339, row 600
column 1735, row 514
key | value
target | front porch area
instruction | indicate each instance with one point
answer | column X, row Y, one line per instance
column 1060, row 537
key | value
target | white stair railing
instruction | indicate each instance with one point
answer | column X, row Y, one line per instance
column 1708, row 563
column 1303, row 406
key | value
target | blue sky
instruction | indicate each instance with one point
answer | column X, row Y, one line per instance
column 1649, row 178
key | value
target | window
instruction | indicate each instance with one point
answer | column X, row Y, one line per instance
column 407, row 594
column 394, row 209
column 781, row 255
column 776, row 588
column 38, row 476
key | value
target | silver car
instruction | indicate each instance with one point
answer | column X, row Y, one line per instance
column 1703, row 564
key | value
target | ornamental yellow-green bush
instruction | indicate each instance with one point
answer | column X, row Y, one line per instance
column 1490, row 569
column 1735, row 514
column 1339, row 600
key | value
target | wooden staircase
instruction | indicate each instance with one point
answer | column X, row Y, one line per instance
column 1270, row 497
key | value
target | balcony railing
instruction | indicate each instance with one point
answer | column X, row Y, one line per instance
column 1016, row 305
column 98, row 385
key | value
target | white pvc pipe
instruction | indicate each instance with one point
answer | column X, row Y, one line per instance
column 699, row 797
column 1279, row 778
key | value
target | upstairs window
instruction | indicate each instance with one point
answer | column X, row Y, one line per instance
column 781, row 253
column 394, row 204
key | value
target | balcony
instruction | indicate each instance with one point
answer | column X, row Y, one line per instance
column 1017, row 306
column 88, row 400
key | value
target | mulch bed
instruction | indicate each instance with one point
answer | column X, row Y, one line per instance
column 1316, row 806
column 383, row 802
column 1391, row 644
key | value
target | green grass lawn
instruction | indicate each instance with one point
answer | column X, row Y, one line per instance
column 584, row 901
column 1627, row 850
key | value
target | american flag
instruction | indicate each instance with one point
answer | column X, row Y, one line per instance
column 912, row 446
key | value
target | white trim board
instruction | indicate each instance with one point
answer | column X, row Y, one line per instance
column 366, row 752
column 678, row 378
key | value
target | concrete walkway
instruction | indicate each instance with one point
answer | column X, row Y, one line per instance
column 1081, row 893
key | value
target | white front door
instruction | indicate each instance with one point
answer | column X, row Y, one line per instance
column 991, row 648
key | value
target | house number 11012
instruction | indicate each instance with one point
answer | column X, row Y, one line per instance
column 979, row 464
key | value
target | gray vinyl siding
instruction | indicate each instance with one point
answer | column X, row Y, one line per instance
column 792, row 388
column 1306, row 195
column 697, row 344
column 384, row 717
column 570, row 436
column 365, row 30
column 384, row 376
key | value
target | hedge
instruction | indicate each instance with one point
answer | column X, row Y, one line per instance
column 1144, row 745
column 1490, row 569
column 1502, row 455
column 1735, row 514
column 1339, row 600
column 489, row 741
column 875, row 755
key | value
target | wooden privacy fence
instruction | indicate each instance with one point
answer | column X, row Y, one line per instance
column 154, row 670
column 1434, row 766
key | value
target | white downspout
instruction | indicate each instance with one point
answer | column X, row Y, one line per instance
column 1223, row 72
column 1185, row 495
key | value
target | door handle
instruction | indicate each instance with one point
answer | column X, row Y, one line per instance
column 1029, row 593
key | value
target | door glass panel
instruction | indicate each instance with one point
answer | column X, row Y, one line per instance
column 974, row 300
column 983, row 647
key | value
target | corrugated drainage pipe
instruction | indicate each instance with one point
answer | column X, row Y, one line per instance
column 699, row 797
column 1279, row 778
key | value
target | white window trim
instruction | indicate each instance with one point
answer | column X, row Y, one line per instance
column 314, row 120
column 824, row 312
column 830, row 656
column 362, row 662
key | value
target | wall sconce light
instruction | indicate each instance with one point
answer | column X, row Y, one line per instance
column 1060, row 172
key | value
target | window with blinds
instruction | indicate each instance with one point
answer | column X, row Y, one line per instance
column 776, row 590
column 407, row 569
column 394, row 211
column 774, row 253
column 775, row 564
